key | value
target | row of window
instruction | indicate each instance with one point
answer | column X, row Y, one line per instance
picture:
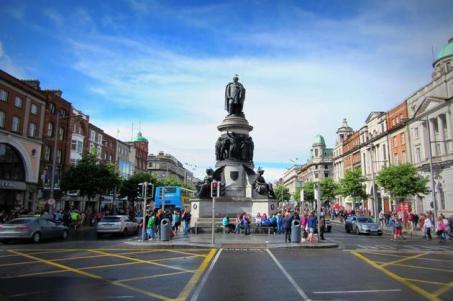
column 18, row 102
column 15, row 125
column 48, row 154
column 51, row 107
column 50, row 131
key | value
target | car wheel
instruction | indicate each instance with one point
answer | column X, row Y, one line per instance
column 357, row 231
column 125, row 232
column 380, row 234
column 36, row 237
column 64, row 235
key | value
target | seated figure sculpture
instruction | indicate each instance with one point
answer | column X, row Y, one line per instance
column 261, row 186
column 204, row 188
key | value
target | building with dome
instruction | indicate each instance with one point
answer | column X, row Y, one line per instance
column 320, row 164
column 430, row 129
column 140, row 145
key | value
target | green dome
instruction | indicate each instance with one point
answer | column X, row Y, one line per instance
column 447, row 51
column 319, row 140
column 140, row 138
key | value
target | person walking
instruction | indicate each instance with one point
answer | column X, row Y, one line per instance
column 186, row 216
column 322, row 225
column 287, row 224
column 151, row 226
column 311, row 226
column 279, row 223
column 428, row 225
column 441, row 229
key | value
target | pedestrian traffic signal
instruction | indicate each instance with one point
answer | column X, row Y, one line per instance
column 149, row 191
column 222, row 189
column 140, row 191
column 214, row 189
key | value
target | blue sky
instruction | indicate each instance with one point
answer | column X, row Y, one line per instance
column 306, row 65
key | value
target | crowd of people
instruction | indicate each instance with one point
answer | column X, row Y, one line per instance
column 176, row 218
column 280, row 222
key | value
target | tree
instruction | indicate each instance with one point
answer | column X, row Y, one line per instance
column 281, row 193
column 309, row 192
column 353, row 184
column 401, row 181
column 174, row 181
column 90, row 177
column 329, row 189
column 129, row 187
column 297, row 194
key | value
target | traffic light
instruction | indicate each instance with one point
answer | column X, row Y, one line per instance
column 222, row 189
column 140, row 191
column 214, row 189
column 149, row 191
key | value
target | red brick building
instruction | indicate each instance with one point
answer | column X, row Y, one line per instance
column 141, row 152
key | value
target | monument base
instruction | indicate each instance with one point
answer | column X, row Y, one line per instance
column 201, row 209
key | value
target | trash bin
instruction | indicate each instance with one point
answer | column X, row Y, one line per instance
column 165, row 229
column 295, row 231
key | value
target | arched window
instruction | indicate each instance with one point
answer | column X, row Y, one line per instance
column 11, row 164
column 50, row 129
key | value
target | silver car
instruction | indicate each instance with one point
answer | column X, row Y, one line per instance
column 116, row 224
column 34, row 228
column 362, row 224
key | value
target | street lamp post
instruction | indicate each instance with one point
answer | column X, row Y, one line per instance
column 430, row 157
column 375, row 200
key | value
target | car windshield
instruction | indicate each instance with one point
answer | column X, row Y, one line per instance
column 111, row 219
column 364, row 220
column 19, row 221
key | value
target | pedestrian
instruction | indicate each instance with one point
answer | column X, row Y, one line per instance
column 303, row 225
column 428, row 225
column 186, row 218
column 246, row 224
column 381, row 218
column 397, row 227
column 311, row 226
column 440, row 229
column 279, row 223
column 287, row 224
column 322, row 224
column 151, row 226
column 238, row 223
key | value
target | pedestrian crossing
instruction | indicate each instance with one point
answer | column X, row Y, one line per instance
column 416, row 248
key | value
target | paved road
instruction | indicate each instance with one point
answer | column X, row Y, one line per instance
column 365, row 267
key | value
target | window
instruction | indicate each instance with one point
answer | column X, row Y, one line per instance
column 79, row 147
column 316, row 152
column 92, row 135
column 51, row 108
column 3, row 95
column 416, row 132
column 438, row 152
column 59, row 152
column 418, row 155
column 49, row 129
column 2, row 119
column 395, row 158
column 61, row 133
column 403, row 139
column 34, row 109
column 403, row 157
column 32, row 129
column 74, row 145
column 15, row 125
column 63, row 113
column 395, row 141
column 47, row 153
column 435, row 125
column 18, row 102
column 326, row 167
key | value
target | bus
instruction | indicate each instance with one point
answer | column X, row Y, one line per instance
column 174, row 197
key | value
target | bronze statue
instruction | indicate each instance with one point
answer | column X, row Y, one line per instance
column 234, row 97
column 204, row 188
column 261, row 186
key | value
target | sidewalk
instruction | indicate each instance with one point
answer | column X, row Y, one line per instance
column 233, row 241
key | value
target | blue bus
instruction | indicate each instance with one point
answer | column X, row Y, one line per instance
column 174, row 197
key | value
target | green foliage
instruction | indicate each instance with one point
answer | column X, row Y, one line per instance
column 90, row 177
column 281, row 193
column 402, row 181
column 353, row 184
column 297, row 194
column 309, row 192
column 129, row 187
column 329, row 189
column 173, row 181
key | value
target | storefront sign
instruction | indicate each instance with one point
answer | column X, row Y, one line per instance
column 12, row 185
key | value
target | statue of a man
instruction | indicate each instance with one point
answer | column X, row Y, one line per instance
column 234, row 97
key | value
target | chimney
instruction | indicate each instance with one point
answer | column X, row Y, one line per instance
column 32, row 83
column 56, row 92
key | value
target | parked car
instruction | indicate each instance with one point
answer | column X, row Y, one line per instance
column 32, row 227
column 116, row 224
column 362, row 224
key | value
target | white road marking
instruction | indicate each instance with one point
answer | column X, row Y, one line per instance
column 358, row 291
column 288, row 276
column 197, row 292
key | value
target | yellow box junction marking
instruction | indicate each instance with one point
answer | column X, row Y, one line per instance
column 403, row 259
column 193, row 281
column 398, row 278
column 443, row 289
